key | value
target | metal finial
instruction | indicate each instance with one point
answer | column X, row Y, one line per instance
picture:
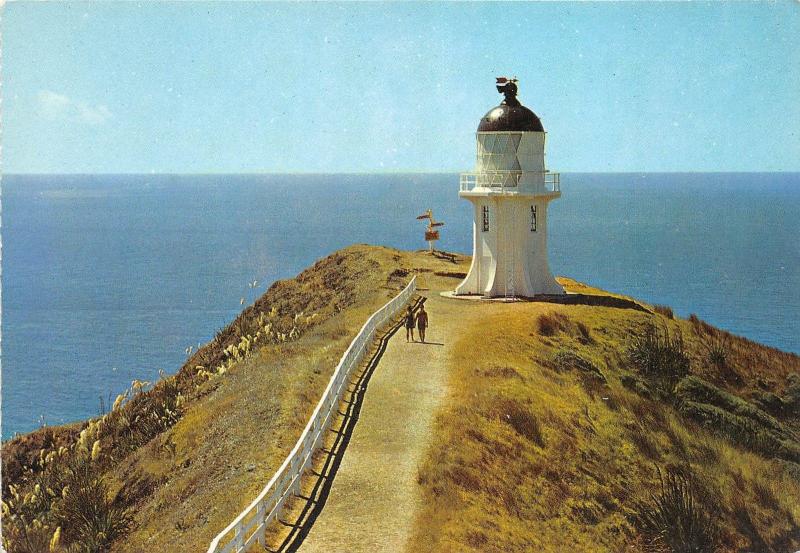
column 508, row 88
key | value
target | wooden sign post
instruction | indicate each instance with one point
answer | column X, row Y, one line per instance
column 431, row 231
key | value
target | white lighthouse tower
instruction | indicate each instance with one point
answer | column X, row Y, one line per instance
column 509, row 190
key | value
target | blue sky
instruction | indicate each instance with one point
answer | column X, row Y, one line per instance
column 322, row 87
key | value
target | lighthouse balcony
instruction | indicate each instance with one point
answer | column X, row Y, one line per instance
column 520, row 182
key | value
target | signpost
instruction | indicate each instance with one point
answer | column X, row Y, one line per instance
column 431, row 231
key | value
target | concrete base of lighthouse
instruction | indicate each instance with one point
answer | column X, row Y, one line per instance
column 509, row 246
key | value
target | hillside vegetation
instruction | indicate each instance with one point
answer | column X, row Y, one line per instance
column 593, row 428
column 172, row 463
column 599, row 424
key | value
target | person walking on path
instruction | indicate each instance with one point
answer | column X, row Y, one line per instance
column 422, row 322
column 409, row 322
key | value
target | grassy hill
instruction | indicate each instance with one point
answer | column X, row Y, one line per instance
column 174, row 462
column 563, row 422
column 597, row 428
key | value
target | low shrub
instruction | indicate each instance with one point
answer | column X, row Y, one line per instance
column 768, row 401
column 791, row 397
column 636, row 384
column 742, row 431
column 693, row 388
column 677, row 518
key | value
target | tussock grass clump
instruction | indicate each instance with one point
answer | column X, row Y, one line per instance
column 717, row 350
column 90, row 519
column 716, row 346
column 660, row 357
column 68, row 506
column 550, row 324
column 27, row 539
column 143, row 417
column 664, row 310
column 699, row 325
column 521, row 420
column 678, row 518
column 565, row 360
column 593, row 380
column 584, row 336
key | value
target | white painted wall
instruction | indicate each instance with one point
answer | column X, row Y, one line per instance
column 509, row 258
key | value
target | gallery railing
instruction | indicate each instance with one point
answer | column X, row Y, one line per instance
column 507, row 181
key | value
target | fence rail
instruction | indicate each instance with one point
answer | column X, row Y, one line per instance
column 250, row 526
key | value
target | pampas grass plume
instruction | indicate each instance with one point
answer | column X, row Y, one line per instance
column 55, row 539
column 96, row 450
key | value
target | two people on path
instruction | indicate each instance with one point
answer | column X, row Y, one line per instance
column 421, row 321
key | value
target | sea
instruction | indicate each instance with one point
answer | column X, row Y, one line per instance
column 109, row 278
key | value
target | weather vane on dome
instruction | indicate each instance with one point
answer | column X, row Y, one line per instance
column 508, row 88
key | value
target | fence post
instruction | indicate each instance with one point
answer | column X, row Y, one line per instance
column 262, row 524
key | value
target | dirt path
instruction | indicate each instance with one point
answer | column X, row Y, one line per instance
column 374, row 495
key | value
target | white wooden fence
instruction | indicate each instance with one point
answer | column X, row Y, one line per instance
column 249, row 527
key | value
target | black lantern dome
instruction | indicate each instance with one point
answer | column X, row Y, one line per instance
column 510, row 115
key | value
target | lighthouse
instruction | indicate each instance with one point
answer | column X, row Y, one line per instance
column 509, row 190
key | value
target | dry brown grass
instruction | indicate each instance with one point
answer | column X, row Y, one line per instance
column 187, row 455
column 526, row 457
column 490, row 487
column 664, row 310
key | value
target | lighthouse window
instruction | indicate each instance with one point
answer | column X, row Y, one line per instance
column 485, row 210
column 533, row 218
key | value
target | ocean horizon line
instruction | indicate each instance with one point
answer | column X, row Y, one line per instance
column 383, row 173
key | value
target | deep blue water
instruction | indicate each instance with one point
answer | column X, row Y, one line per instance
column 109, row 278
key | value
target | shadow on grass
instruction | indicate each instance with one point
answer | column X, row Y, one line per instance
column 588, row 299
column 323, row 480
